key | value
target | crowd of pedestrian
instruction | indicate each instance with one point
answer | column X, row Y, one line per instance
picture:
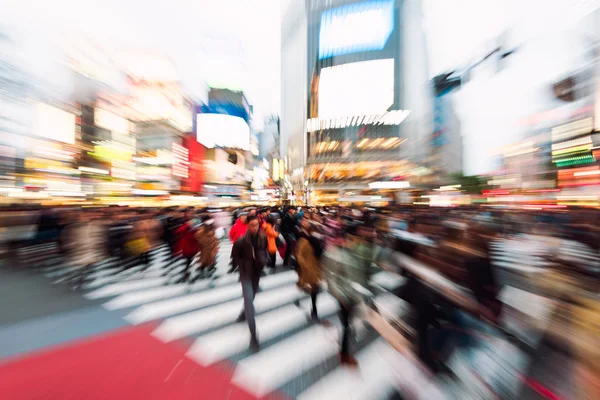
column 338, row 250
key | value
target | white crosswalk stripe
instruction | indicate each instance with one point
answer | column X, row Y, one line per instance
column 294, row 347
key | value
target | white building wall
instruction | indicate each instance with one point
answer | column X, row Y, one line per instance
column 416, row 93
column 293, row 85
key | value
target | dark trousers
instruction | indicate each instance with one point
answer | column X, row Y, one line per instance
column 313, row 299
column 272, row 259
column 345, row 313
column 289, row 241
column 249, row 289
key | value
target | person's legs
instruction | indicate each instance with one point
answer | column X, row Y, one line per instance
column 249, row 287
column 288, row 250
column 272, row 259
column 345, row 356
column 313, row 299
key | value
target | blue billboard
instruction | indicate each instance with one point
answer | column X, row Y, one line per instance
column 364, row 26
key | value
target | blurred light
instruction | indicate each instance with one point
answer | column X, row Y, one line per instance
column 502, row 181
column 495, row 192
column 572, row 129
column 574, row 142
column 67, row 194
column 94, row 170
column 574, row 149
column 577, row 197
column 542, row 190
column 149, row 192
column 575, row 161
column 448, row 188
column 586, row 173
column 210, row 186
column 389, row 185
column 394, row 117
column 522, row 152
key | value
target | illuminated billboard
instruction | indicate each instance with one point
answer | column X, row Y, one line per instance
column 359, row 88
column 54, row 124
column 364, row 26
column 218, row 130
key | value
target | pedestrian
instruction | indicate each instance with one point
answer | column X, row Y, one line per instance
column 347, row 268
column 85, row 242
column 249, row 256
column 237, row 231
column 208, row 246
column 271, row 234
column 308, row 254
column 289, row 224
column 187, row 246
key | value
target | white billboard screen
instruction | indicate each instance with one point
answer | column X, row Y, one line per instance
column 54, row 124
column 365, row 87
column 220, row 130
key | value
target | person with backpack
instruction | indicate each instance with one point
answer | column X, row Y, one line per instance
column 308, row 254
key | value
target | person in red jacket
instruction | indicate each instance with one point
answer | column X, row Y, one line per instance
column 187, row 245
column 238, row 229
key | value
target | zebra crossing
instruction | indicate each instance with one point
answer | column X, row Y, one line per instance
column 295, row 354
column 297, row 357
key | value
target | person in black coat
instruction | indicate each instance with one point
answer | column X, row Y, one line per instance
column 288, row 228
column 249, row 257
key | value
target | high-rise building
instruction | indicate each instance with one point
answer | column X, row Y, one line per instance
column 356, row 104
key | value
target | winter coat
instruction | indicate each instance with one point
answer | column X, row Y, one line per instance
column 208, row 245
column 249, row 261
column 288, row 225
column 86, row 243
column 237, row 230
column 271, row 235
column 309, row 271
column 344, row 268
column 186, row 244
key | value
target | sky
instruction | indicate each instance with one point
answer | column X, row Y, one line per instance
column 227, row 41
column 237, row 42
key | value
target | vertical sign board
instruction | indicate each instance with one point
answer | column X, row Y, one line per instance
column 196, row 151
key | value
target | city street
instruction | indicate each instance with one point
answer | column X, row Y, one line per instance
column 134, row 334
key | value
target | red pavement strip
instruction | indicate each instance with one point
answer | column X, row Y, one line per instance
column 125, row 364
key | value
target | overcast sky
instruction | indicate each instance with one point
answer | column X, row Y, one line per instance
column 237, row 42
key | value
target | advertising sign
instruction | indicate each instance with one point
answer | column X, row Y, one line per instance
column 54, row 124
column 357, row 27
column 218, row 130
column 193, row 183
column 365, row 87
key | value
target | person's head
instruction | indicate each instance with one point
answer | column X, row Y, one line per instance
column 252, row 223
column 271, row 220
column 243, row 218
column 189, row 213
column 252, row 213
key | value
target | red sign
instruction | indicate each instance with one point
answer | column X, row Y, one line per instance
column 193, row 183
